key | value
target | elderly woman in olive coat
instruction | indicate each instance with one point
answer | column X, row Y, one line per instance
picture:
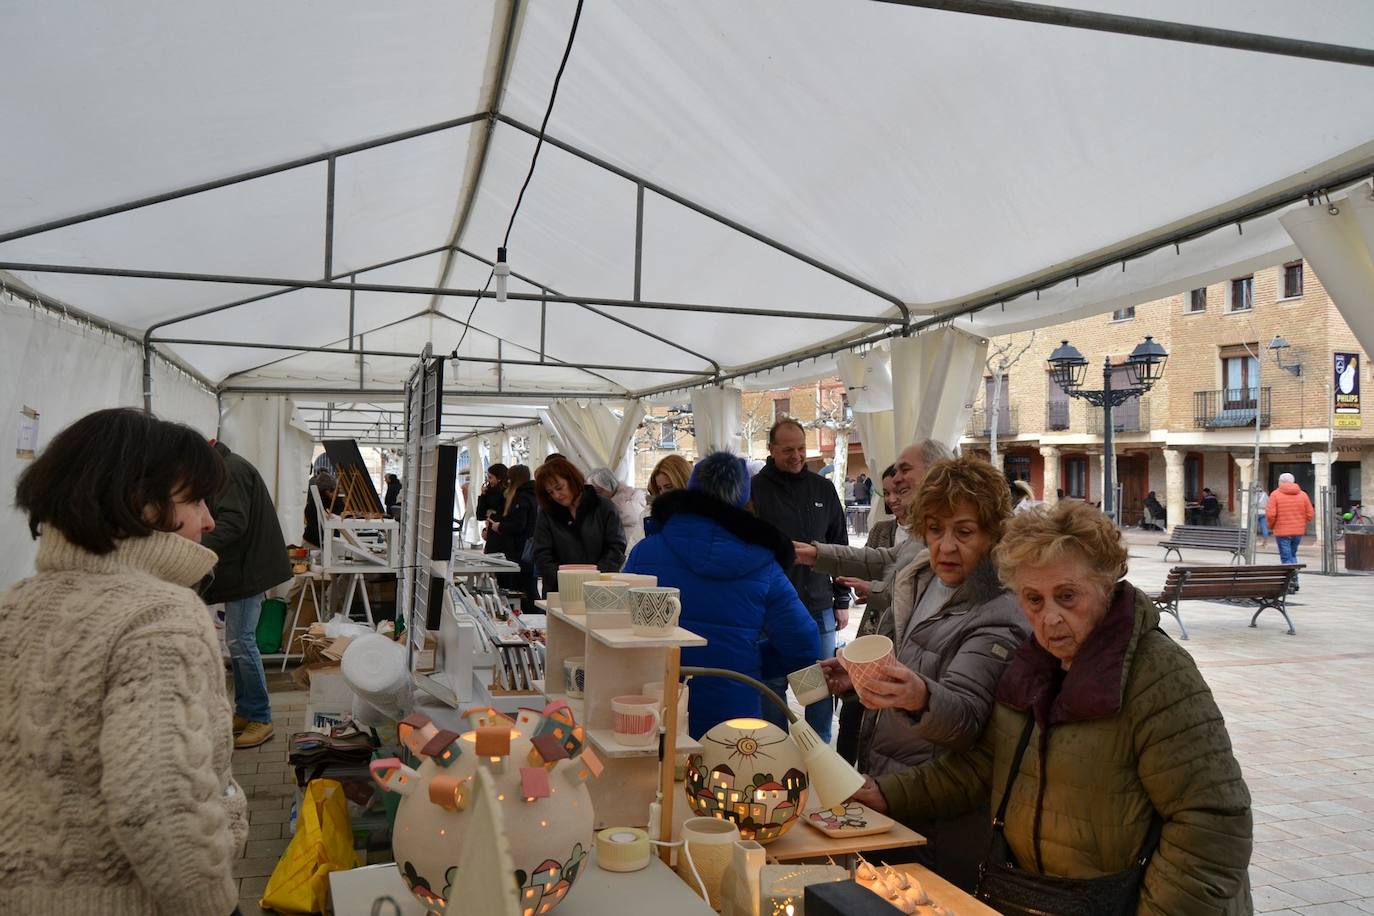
column 1124, row 735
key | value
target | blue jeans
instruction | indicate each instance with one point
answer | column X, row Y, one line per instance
column 821, row 714
column 250, row 682
column 1288, row 549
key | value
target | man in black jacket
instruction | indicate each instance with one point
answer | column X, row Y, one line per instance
column 804, row 507
column 252, row 559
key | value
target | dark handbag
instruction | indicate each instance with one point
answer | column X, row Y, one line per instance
column 1013, row 891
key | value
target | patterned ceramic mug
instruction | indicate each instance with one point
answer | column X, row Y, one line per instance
column 606, row 597
column 574, row 676
column 654, row 611
column 635, row 720
column 865, row 657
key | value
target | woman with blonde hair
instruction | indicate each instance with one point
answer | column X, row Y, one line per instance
column 1106, row 761
column 672, row 473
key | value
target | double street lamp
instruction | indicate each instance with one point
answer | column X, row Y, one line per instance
column 1145, row 367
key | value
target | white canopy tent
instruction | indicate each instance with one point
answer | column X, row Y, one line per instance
column 296, row 200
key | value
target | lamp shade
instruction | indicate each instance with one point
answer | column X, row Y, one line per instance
column 750, row 773
column 831, row 777
column 1147, row 362
column 1067, row 366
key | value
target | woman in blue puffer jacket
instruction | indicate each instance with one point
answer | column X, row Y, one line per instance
column 731, row 570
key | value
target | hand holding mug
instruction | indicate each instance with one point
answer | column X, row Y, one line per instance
column 836, row 678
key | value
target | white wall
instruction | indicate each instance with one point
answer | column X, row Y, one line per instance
column 66, row 370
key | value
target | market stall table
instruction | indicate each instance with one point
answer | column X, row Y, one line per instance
column 596, row 893
column 945, row 894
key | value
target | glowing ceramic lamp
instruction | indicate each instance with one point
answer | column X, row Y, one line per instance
column 822, row 770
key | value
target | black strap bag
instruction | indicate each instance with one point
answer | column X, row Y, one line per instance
column 1013, row 891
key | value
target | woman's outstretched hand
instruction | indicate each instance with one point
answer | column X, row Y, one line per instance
column 871, row 796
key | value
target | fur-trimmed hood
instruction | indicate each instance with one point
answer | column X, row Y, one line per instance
column 693, row 515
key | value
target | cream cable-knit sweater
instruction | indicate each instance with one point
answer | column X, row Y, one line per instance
column 115, row 737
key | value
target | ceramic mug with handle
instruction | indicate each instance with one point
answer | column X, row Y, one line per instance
column 635, row 719
column 575, row 676
column 654, row 611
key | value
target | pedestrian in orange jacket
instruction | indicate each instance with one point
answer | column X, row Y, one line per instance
column 1289, row 512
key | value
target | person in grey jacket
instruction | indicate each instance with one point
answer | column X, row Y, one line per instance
column 953, row 627
column 576, row 525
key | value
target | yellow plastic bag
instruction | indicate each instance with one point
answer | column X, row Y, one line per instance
column 323, row 843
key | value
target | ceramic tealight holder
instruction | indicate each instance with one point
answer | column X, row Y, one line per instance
column 575, row 676
column 607, row 602
column 654, row 611
column 865, row 657
column 570, row 583
column 635, row 720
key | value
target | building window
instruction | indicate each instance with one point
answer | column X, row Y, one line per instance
column 1017, row 467
column 1292, row 280
column 1125, row 314
column 1076, row 477
column 1240, row 379
column 1192, row 477
column 667, row 435
column 782, row 407
column 1197, row 300
column 1243, row 294
column 1057, row 407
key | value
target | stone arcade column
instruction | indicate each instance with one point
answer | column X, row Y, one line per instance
column 1173, row 486
column 1051, row 476
column 1247, row 476
column 1321, row 466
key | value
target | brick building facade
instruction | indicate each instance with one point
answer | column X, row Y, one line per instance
column 1196, row 428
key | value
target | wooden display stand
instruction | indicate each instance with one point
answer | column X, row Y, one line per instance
column 617, row 663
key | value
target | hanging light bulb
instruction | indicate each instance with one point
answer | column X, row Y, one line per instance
column 502, row 271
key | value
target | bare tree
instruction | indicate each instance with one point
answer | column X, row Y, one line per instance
column 833, row 413
column 999, row 362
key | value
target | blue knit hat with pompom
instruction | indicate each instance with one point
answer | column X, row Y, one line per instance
column 724, row 476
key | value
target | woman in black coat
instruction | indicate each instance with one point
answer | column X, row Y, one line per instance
column 575, row 526
column 512, row 529
column 491, row 501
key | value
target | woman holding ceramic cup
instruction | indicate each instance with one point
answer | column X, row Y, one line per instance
column 1123, row 754
column 953, row 627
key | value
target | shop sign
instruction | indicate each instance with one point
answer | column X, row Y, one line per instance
column 1346, row 405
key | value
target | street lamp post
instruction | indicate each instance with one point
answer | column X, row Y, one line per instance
column 1068, row 367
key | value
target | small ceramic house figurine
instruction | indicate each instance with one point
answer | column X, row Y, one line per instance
column 538, row 789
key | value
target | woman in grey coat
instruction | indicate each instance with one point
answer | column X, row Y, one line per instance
column 953, row 627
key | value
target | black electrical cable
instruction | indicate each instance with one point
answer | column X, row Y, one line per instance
column 539, row 144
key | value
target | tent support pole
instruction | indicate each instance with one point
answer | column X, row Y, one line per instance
column 639, row 236
column 361, row 351
column 352, row 305
column 147, row 377
column 329, row 220
column 543, row 324
column 715, row 366
column 287, row 166
column 1150, row 28
column 650, row 305
column 754, row 234
column 352, row 394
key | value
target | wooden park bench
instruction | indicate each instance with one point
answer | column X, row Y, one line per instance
column 1266, row 586
column 1205, row 537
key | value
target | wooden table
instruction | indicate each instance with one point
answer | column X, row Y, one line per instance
column 803, row 842
column 946, row 894
column 596, row 893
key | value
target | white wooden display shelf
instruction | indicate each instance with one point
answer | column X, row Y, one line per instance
column 626, row 637
column 574, row 703
column 654, row 889
column 604, row 740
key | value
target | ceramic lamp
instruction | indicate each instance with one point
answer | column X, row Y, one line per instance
column 711, row 843
column 751, row 773
column 544, row 805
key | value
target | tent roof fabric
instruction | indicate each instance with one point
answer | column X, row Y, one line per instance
column 861, row 167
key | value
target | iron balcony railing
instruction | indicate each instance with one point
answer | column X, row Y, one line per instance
column 1230, row 408
column 980, row 427
column 1057, row 415
column 1131, row 417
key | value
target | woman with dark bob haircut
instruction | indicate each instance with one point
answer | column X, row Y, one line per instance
column 115, row 733
column 577, row 524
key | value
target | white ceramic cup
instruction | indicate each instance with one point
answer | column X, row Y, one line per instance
column 635, row 580
column 575, row 676
column 865, row 657
column 606, row 596
column 711, row 842
column 570, row 582
column 654, row 611
column 655, row 689
column 635, row 719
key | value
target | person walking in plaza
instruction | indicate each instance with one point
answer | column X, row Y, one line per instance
column 1289, row 513
column 805, row 507
column 252, row 559
column 728, row 568
column 117, row 749
column 1262, row 506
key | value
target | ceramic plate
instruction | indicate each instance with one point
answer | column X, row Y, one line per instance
column 853, row 819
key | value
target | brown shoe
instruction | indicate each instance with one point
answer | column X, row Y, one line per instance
column 240, row 723
column 256, row 733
